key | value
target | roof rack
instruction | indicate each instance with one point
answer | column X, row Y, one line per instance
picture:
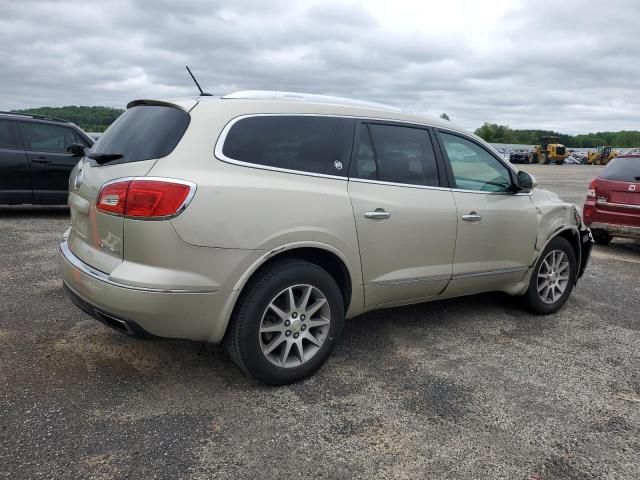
column 36, row 117
column 307, row 97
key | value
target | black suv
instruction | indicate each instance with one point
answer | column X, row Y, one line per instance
column 35, row 160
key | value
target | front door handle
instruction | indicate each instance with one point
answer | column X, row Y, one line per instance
column 378, row 214
column 472, row 217
column 41, row 160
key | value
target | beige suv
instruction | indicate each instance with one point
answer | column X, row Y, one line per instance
column 264, row 219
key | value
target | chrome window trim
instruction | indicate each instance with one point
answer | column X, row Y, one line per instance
column 281, row 170
column 480, row 192
column 218, row 149
column 88, row 270
column 218, row 152
column 429, row 187
column 192, row 191
column 393, row 184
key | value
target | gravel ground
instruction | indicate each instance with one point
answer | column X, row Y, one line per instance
column 468, row 388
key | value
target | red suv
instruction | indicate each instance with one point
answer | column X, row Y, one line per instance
column 612, row 208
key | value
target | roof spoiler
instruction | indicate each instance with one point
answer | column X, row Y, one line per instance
column 157, row 103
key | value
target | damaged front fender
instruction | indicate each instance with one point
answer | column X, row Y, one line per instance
column 555, row 217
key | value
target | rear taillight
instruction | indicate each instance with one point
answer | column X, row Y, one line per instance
column 591, row 193
column 145, row 198
column 587, row 211
column 112, row 198
column 151, row 198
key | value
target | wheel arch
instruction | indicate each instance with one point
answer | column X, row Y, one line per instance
column 572, row 235
column 321, row 254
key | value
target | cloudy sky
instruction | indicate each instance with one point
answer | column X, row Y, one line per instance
column 569, row 65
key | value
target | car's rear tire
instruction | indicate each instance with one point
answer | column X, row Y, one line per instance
column 287, row 322
column 553, row 278
column 601, row 237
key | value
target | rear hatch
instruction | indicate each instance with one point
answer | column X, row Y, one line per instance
column 618, row 188
column 130, row 147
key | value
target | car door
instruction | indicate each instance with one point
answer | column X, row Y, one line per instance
column 497, row 226
column 51, row 164
column 406, row 222
column 15, row 178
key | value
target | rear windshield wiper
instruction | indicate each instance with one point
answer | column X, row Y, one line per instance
column 103, row 158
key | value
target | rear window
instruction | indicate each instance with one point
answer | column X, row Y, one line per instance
column 303, row 143
column 143, row 133
column 622, row 169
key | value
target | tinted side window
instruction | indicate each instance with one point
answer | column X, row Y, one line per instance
column 404, row 155
column 44, row 137
column 8, row 136
column 473, row 167
column 364, row 162
column 623, row 169
column 143, row 132
column 304, row 143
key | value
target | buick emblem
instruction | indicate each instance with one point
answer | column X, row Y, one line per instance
column 337, row 164
column 632, row 188
column 79, row 176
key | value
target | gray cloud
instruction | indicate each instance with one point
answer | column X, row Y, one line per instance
column 572, row 66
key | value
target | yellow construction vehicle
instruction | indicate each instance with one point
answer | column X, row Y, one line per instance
column 549, row 151
column 601, row 156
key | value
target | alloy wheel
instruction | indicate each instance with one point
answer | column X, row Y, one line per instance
column 294, row 326
column 553, row 276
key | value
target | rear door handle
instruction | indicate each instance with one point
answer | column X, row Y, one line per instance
column 472, row 217
column 378, row 214
column 41, row 160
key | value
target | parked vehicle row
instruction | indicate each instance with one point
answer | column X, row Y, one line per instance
column 35, row 161
column 263, row 220
column 612, row 208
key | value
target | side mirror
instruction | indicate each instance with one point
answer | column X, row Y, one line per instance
column 526, row 181
column 76, row 149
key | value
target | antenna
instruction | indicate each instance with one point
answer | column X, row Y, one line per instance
column 198, row 85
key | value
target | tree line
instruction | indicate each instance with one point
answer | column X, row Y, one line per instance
column 494, row 133
column 97, row 119
column 90, row 119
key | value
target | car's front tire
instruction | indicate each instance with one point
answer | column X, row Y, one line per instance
column 553, row 278
column 288, row 319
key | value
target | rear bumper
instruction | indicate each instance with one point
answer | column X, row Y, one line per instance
column 166, row 312
column 618, row 220
column 617, row 230
column 123, row 325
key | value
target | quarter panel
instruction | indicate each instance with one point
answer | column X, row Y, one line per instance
column 250, row 208
column 155, row 256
